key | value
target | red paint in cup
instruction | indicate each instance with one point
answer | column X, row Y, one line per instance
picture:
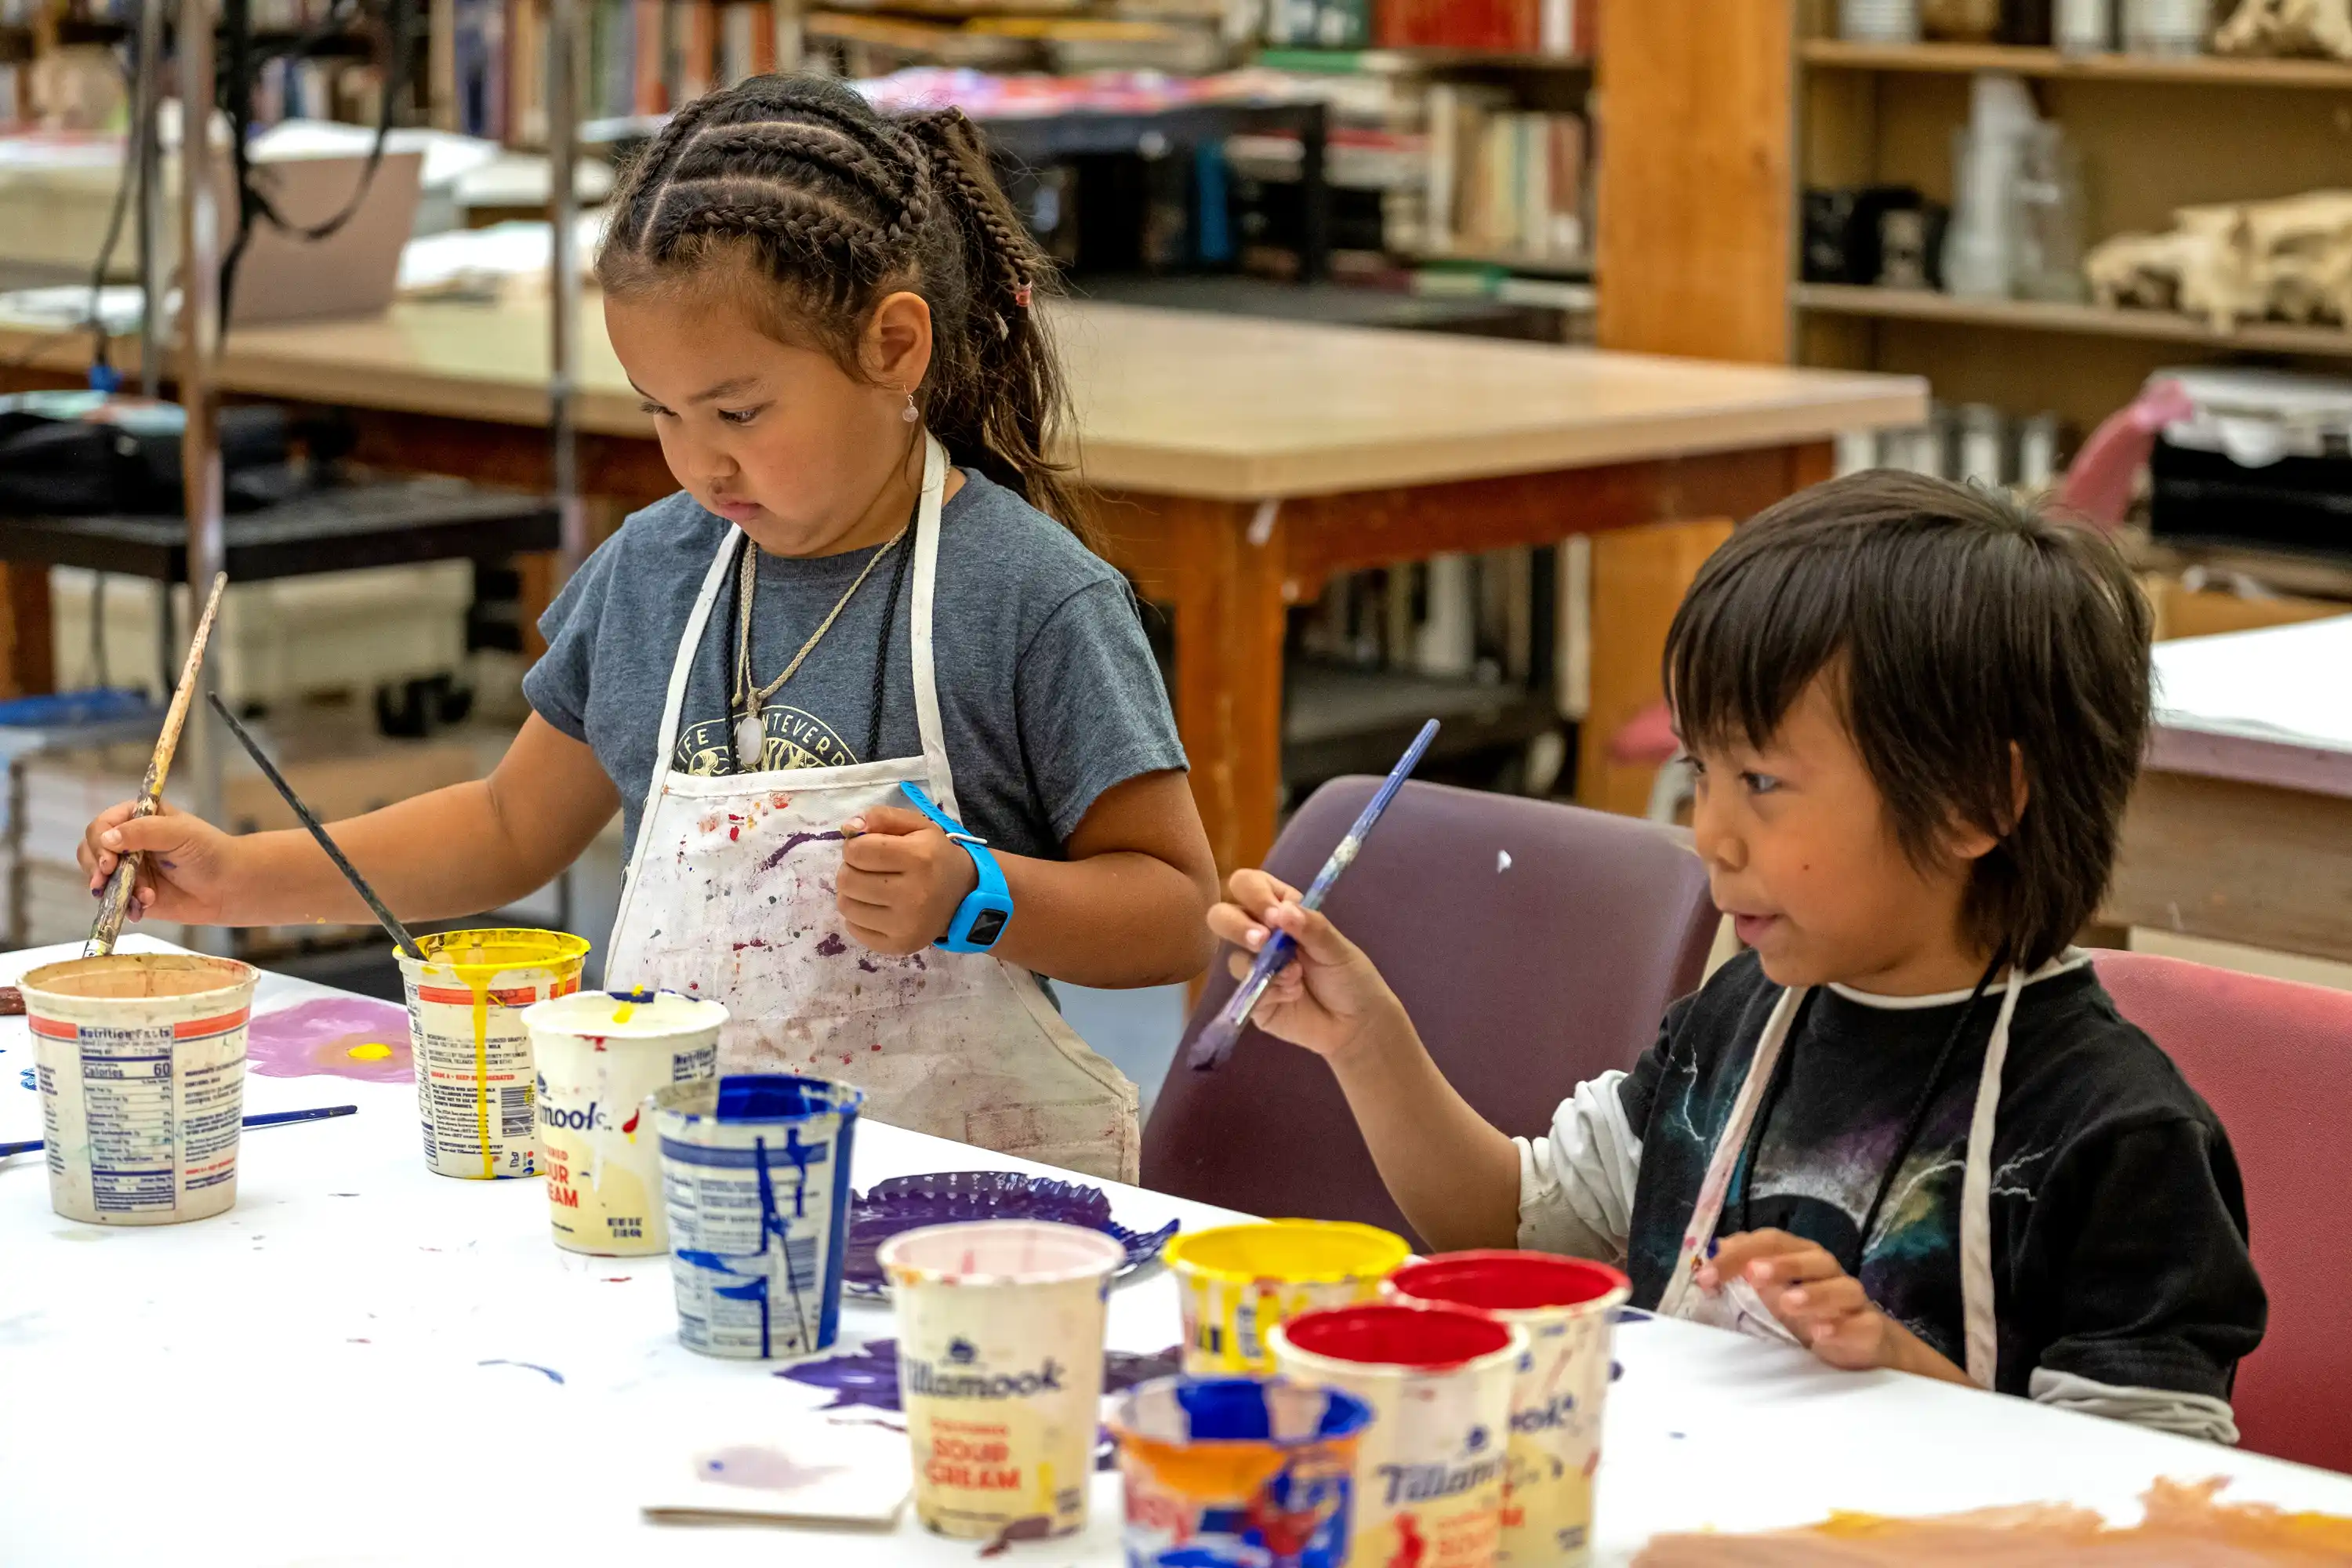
column 1427, row 1339
column 1500, row 1281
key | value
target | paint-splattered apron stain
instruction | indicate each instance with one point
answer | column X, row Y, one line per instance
column 730, row 895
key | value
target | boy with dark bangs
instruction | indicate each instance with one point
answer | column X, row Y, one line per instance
column 1905, row 1128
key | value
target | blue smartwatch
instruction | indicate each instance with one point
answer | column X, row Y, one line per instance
column 979, row 920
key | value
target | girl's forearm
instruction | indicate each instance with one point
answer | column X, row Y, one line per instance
column 437, row 855
column 1454, row 1176
column 1115, row 919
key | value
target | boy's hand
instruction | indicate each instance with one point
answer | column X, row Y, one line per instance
column 902, row 879
column 1817, row 1300
column 1329, row 997
column 187, row 866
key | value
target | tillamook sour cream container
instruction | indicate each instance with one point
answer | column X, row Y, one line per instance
column 1000, row 1370
column 598, row 1054
column 1567, row 1307
column 1429, row 1473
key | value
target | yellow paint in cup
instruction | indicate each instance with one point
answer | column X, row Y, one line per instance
column 1237, row 1281
column 465, row 1002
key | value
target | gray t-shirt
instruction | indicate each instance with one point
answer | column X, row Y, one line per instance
column 1048, row 691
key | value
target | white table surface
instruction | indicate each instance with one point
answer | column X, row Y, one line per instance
column 298, row 1381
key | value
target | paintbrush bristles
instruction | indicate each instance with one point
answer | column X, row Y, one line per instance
column 116, row 903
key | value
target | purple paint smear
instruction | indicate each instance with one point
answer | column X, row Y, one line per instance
column 793, row 843
column 318, row 1038
column 766, row 1469
column 832, row 946
column 548, row 1373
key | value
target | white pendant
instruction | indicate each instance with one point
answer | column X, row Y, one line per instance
column 751, row 744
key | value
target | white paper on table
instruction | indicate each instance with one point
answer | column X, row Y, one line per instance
column 791, row 1466
column 2279, row 683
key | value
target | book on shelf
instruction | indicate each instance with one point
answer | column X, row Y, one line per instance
column 1562, row 29
column 1502, row 181
column 640, row 57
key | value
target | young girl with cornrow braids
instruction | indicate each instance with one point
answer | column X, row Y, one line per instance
column 887, row 738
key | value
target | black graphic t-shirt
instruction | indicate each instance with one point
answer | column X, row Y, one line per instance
column 1048, row 691
column 2119, row 1221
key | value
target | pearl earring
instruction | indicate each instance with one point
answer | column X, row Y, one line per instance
column 910, row 414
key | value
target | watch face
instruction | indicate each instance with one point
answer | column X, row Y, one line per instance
column 986, row 927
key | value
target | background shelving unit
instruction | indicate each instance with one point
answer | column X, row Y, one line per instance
column 2155, row 134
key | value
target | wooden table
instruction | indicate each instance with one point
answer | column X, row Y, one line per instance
column 1243, row 460
column 2240, row 828
column 346, row 1368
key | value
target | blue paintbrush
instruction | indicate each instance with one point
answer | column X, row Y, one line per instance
column 1215, row 1042
column 268, row 1119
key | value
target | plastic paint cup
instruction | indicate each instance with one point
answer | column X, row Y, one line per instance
column 465, row 1002
column 598, row 1054
column 1239, row 1281
column 1429, row 1473
column 1000, row 1370
column 755, row 1177
column 1565, row 1304
column 141, row 1061
column 1237, row 1472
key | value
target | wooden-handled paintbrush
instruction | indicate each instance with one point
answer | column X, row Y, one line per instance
column 125, row 880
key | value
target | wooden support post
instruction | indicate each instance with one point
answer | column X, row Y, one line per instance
column 27, row 666
column 1639, row 576
column 1693, row 232
column 1229, row 635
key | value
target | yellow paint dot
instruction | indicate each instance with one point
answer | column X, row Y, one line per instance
column 624, row 1012
column 373, row 1051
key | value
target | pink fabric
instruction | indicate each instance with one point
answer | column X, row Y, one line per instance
column 2274, row 1060
column 1648, row 737
column 2097, row 488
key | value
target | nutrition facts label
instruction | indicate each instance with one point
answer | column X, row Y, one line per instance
column 149, row 1128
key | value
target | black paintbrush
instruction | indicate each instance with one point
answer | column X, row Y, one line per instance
column 351, row 874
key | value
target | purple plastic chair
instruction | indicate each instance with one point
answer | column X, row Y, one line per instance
column 1535, row 945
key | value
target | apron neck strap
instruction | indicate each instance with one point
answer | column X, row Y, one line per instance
column 1981, row 1328
column 1734, row 1138
column 919, row 628
column 1980, row 1325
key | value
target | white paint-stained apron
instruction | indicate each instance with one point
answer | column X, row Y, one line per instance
column 729, row 895
column 1737, row 1305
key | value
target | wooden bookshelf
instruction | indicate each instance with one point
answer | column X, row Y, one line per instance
column 2038, row 316
column 1964, row 59
column 1417, row 61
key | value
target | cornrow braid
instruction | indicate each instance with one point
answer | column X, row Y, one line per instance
column 837, row 206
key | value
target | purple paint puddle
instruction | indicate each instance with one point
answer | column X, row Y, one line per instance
column 868, row 1378
column 793, row 843
column 340, row 1037
column 832, row 946
column 548, row 1373
column 765, row 1470
column 869, row 965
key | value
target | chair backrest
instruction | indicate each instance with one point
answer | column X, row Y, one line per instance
column 2274, row 1060
column 1535, row 946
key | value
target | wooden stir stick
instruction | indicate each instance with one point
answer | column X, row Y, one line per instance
column 117, row 902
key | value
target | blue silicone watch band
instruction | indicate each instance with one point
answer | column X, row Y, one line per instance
column 980, row 922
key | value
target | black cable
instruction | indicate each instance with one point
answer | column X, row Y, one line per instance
column 102, row 349
column 242, row 65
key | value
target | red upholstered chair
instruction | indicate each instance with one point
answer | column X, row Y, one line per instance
column 2274, row 1060
column 1535, row 944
